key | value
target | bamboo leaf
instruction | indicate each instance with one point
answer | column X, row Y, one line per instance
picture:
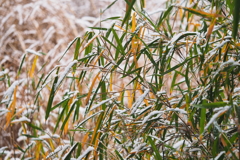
column 210, row 105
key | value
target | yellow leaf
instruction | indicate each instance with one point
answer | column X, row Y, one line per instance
column 130, row 99
column 91, row 88
column 11, row 109
column 210, row 29
column 33, row 66
column 120, row 27
column 89, row 42
column 84, row 141
column 96, row 145
column 201, row 13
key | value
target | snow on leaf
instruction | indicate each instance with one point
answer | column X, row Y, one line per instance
column 8, row 94
column 3, row 111
column 218, row 156
column 100, row 103
column 89, row 149
column 33, row 52
column 3, row 149
column 138, row 148
column 22, row 119
column 214, row 50
column 150, row 115
column 88, row 118
column 2, row 73
column 139, row 101
column 59, row 150
column 215, row 116
column 65, row 72
column 194, row 149
column 180, row 143
column 178, row 36
column 177, row 110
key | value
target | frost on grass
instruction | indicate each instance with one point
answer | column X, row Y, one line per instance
column 180, row 143
column 179, row 36
column 218, row 156
column 101, row 103
column 8, row 94
column 159, row 113
column 58, row 151
column 215, row 116
column 138, row 148
column 214, row 50
column 22, row 119
column 3, row 111
column 64, row 74
column 89, row 149
column 177, row 110
column 85, row 120
column 33, row 52
column 139, row 101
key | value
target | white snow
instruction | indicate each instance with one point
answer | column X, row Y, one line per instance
column 3, row 73
column 22, row 119
column 46, row 136
column 100, row 103
column 59, row 150
column 33, row 52
column 21, row 138
column 138, row 148
column 150, row 115
column 3, row 111
column 89, row 149
column 194, row 149
column 180, row 143
column 215, row 116
column 177, row 36
column 218, row 156
column 177, row 110
column 65, row 72
column 139, row 101
column 214, row 50
column 8, row 94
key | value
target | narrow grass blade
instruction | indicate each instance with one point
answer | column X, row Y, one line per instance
column 236, row 18
column 154, row 147
column 51, row 96
column 68, row 155
column 210, row 105
column 129, row 8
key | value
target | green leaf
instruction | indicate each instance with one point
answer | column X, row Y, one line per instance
column 210, row 105
column 154, row 147
column 68, row 155
column 128, row 12
column 236, row 17
column 51, row 96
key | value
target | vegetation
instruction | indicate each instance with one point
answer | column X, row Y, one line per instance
column 140, row 89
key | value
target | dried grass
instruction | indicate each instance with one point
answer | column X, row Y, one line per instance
column 44, row 26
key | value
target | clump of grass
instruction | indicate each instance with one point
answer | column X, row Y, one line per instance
column 140, row 89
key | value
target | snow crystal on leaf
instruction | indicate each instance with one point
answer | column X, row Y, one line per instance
column 8, row 94
column 180, row 143
column 89, row 149
column 139, row 101
column 150, row 115
column 65, row 72
column 177, row 37
column 100, row 103
column 215, row 116
column 22, row 119
column 177, row 110
column 33, row 52
column 138, row 148
column 218, row 156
